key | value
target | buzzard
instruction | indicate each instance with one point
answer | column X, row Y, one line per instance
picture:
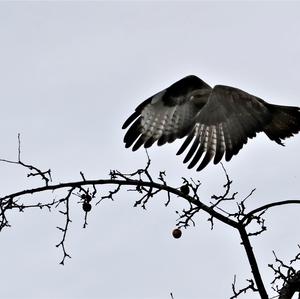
column 216, row 121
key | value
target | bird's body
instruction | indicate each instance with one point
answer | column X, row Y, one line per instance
column 217, row 121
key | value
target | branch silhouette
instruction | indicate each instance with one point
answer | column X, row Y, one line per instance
column 147, row 186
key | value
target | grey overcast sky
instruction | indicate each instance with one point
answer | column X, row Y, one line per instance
column 70, row 74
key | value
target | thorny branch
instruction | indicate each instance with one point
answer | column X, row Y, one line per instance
column 65, row 228
column 286, row 280
column 146, row 186
column 237, row 293
column 227, row 187
column 33, row 171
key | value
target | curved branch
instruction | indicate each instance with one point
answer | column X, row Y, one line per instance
column 126, row 182
column 270, row 205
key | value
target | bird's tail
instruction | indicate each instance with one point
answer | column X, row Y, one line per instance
column 285, row 122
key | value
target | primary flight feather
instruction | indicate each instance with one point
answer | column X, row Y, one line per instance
column 216, row 121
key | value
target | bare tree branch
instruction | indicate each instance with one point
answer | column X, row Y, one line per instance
column 236, row 293
column 268, row 206
column 142, row 182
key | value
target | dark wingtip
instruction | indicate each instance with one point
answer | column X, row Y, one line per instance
column 130, row 119
column 138, row 143
column 136, row 113
column 149, row 142
column 186, row 143
column 197, row 156
column 132, row 134
column 207, row 158
column 228, row 155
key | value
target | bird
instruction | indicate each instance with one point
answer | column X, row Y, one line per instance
column 215, row 121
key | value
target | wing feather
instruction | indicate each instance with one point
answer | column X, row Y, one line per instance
column 210, row 148
column 138, row 143
column 195, row 144
column 168, row 115
column 186, row 142
column 132, row 134
column 220, row 144
column 203, row 141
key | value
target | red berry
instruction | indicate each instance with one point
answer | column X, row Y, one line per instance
column 176, row 233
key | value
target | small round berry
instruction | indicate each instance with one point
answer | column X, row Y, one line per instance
column 176, row 233
column 86, row 206
column 185, row 189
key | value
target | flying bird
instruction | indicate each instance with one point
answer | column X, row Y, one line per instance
column 216, row 121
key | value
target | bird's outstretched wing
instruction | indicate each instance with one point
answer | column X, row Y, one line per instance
column 216, row 121
column 229, row 118
column 168, row 115
column 224, row 124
